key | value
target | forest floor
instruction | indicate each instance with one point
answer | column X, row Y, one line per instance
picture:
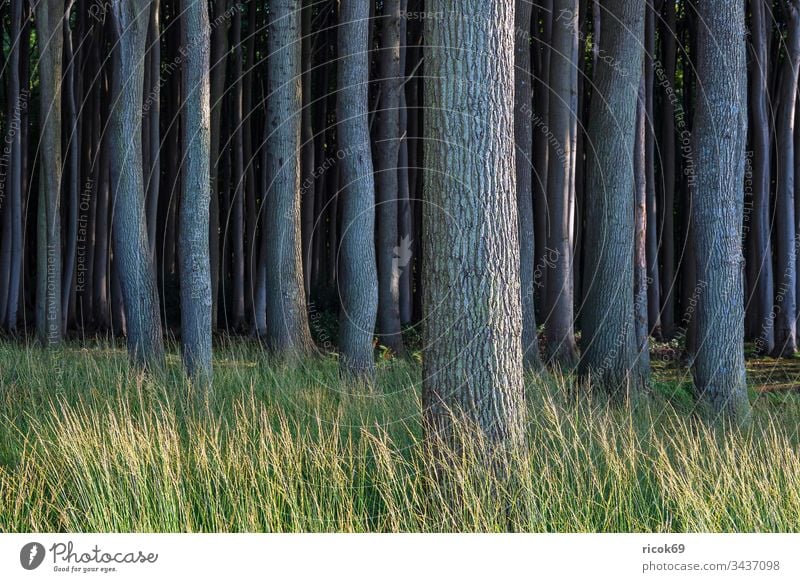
column 88, row 445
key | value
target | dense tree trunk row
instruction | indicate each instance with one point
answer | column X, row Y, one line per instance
column 211, row 167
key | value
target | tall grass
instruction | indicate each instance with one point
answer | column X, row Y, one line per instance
column 86, row 445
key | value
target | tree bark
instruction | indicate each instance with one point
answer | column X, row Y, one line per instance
column 720, row 139
column 49, row 18
column 287, row 317
column 559, row 325
column 393, row 254
column 523, row 136
column 195, row 264
column 473, row 363
column 610, row 355
column 131, row 248
column 669, row 176
column 785, row 227
column 358, row 275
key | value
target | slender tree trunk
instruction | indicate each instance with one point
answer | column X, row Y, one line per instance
column 610, row 356
column 287, row 316
column 393, row 255
column 785, row 227
column 153, row 118
column 559, row 326
column 358, row 273
column 541, row 150
column 73, row 163
column 720, row 138
column 195, row 265
column 219, row 52
column 308, row 193
column 131, row 248
column 473, row 362
column 238, row 179
column 641, row 229
column 523, row 135
column 17, row 102
column 763, row 292
column 49, row 18
column 652, row 273
column 666, row 80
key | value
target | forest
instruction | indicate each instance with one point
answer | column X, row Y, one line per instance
column 399, row 265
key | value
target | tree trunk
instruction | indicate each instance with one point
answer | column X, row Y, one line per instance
column 642, row 227
column 652, row 273
column 219, row 54
column 237, row 179
column 669, row 176
column 785, row 227
column 523, row 136
column 131, row 248
column 720, row 139
column 473, row 362
column 287, row 316
column 17, row 102
column 541, row 149
column 195, row 265
column 610, row 355
column 559, row 327
column 358, row 274
column 763, row 291
column 394, row 255
column 49, row 18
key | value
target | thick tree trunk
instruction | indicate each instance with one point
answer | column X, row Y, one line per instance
column 720, row 138
column 195, row 266
column 393, row 254
column 49, row 18
column 131, row 248
column 358, row 274
column 473, row 358
column 559, row 326
column 287, row 317
column 610, row 355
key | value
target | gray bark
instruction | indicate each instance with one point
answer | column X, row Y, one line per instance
column 610, row 355
column 473, row 363
column 719, row 140
column 763, row 290
column 559, row 326
column 785, row 227
column 193, row 245
column 358, row 275
column 49, row 18
column 287, row 317
column 392, row 253
column 523, row 136
column 129, row 228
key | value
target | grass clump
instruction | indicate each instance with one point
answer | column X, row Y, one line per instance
column 86, row 445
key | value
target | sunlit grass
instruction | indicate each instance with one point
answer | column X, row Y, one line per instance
column 87, row 445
